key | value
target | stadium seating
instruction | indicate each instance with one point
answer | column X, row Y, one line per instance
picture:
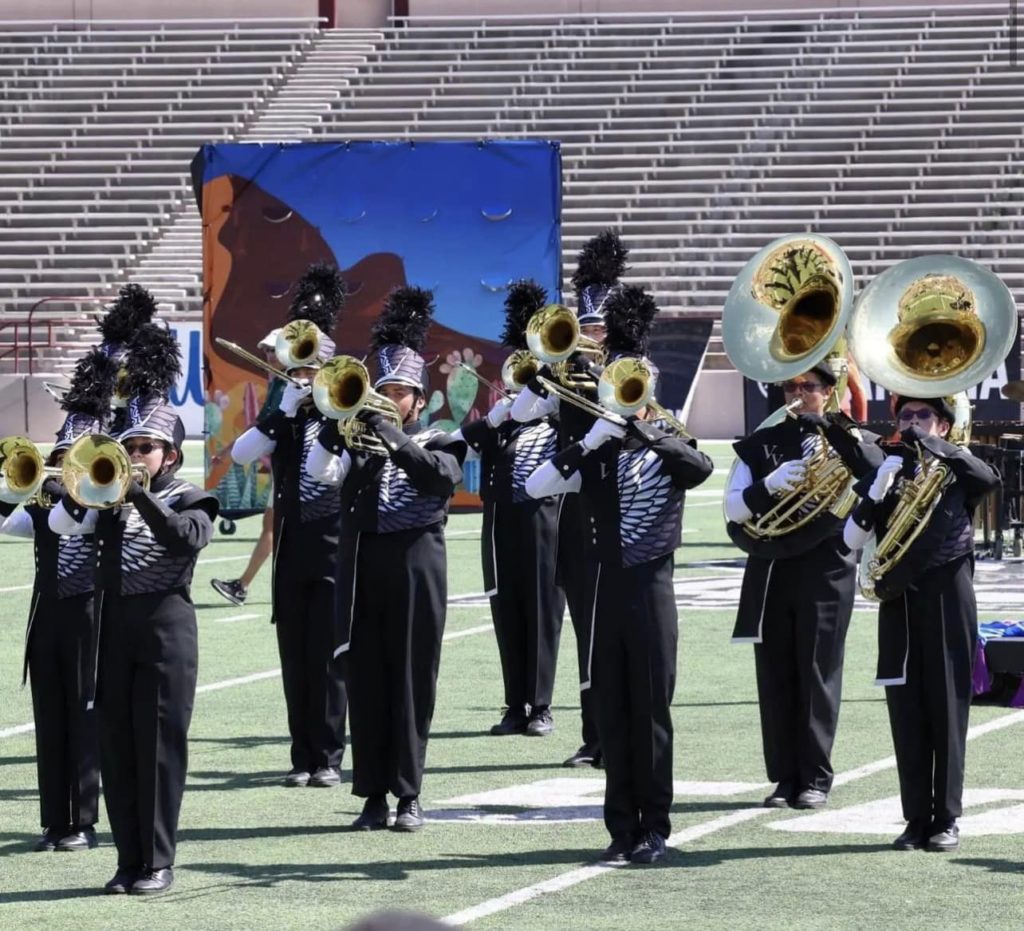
column 894, row 131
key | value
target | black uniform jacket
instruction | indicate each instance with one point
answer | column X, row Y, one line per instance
column 405, row 492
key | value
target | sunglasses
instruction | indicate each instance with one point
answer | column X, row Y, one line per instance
column 923, row 416
column 145, row 447
column 794, row 386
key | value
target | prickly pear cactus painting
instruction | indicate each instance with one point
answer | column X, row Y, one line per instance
column 461, row 390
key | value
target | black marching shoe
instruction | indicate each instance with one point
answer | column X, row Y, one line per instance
column 810, row 799
column 326, row 777
column 915, row 837
column 944, row 837
column 513, row 721
column 410, row 814
column 296, row 778
column 375, row 814
column 781, row 796
column 153, row 882
column 82, row 839
column 587, row 755
column 50, row 839
column 123, row 880
column 232, row 589
column 541, row 723
column 618, row 851
column 650, row 849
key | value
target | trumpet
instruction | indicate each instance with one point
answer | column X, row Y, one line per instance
column 22, row 472
column 97, row 472
column 341, row 389
column 553, row 336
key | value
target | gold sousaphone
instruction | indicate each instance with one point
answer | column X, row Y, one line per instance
column 786, row 313
column 928, row 327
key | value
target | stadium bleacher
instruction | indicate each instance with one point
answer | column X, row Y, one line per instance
column 895, row 131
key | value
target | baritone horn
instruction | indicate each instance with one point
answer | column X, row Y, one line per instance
column 22, row 471
column 786, row 313
column 298, row 344
column 341, row 389
column 97, row 472
column 928, row 327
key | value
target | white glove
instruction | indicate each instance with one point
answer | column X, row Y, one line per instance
column 292, row 397
column 498, row 414
column 884, row 478
column 529, row 406
column 786, row 477
column 602, row 431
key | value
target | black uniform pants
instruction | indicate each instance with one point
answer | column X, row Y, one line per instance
column 145, row 691
column 67, row 757
column 528, row 607
column 929, row 714
column 634, row 678
column 576, row 574
column 393, row 658
column 799, row 664
column 314, row 685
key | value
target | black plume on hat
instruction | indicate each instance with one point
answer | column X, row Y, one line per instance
column 154, row 362
column 133, row 308
column 319, row 295
column 601, row 261
column 92, row 385
column 628, row 315
column 523, row 300
column 404, row 319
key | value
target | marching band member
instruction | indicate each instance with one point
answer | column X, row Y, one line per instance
column 796, row 608
column 392, row 565
column 601, row 263
column 519, row 542
column 58, row 636
column 144, row 673
column 634, row 478
column 927, row 621
column 306, row 515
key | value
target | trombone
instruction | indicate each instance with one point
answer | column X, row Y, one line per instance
column 297, row 346
column 625, row 387
column 341, row 389
column 516, row 371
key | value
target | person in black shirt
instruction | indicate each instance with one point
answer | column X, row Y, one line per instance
column 519, row 542
column 143, row 674
column 306, row 518
column 798, row 589
column 634, row 478
column 392, row 568
column 927, row 619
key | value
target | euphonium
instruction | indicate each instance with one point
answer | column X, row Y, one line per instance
column 341, row 389
column 925, row 328
column 298, row 344
column 786, row 313
column 97, row 472
column 553, row 335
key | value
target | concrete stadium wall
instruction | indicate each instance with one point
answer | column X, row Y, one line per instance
column 500, row 7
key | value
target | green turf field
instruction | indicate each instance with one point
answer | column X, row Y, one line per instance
column 502, row 851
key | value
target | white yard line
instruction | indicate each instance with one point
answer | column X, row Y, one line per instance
column 245, row 680
column 235, row 617
column 582, row 874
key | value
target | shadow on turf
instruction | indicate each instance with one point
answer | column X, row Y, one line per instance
column 220, row 781
column 991, row 864
column 693, row 859
column 271, row 874
column 16, row 760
